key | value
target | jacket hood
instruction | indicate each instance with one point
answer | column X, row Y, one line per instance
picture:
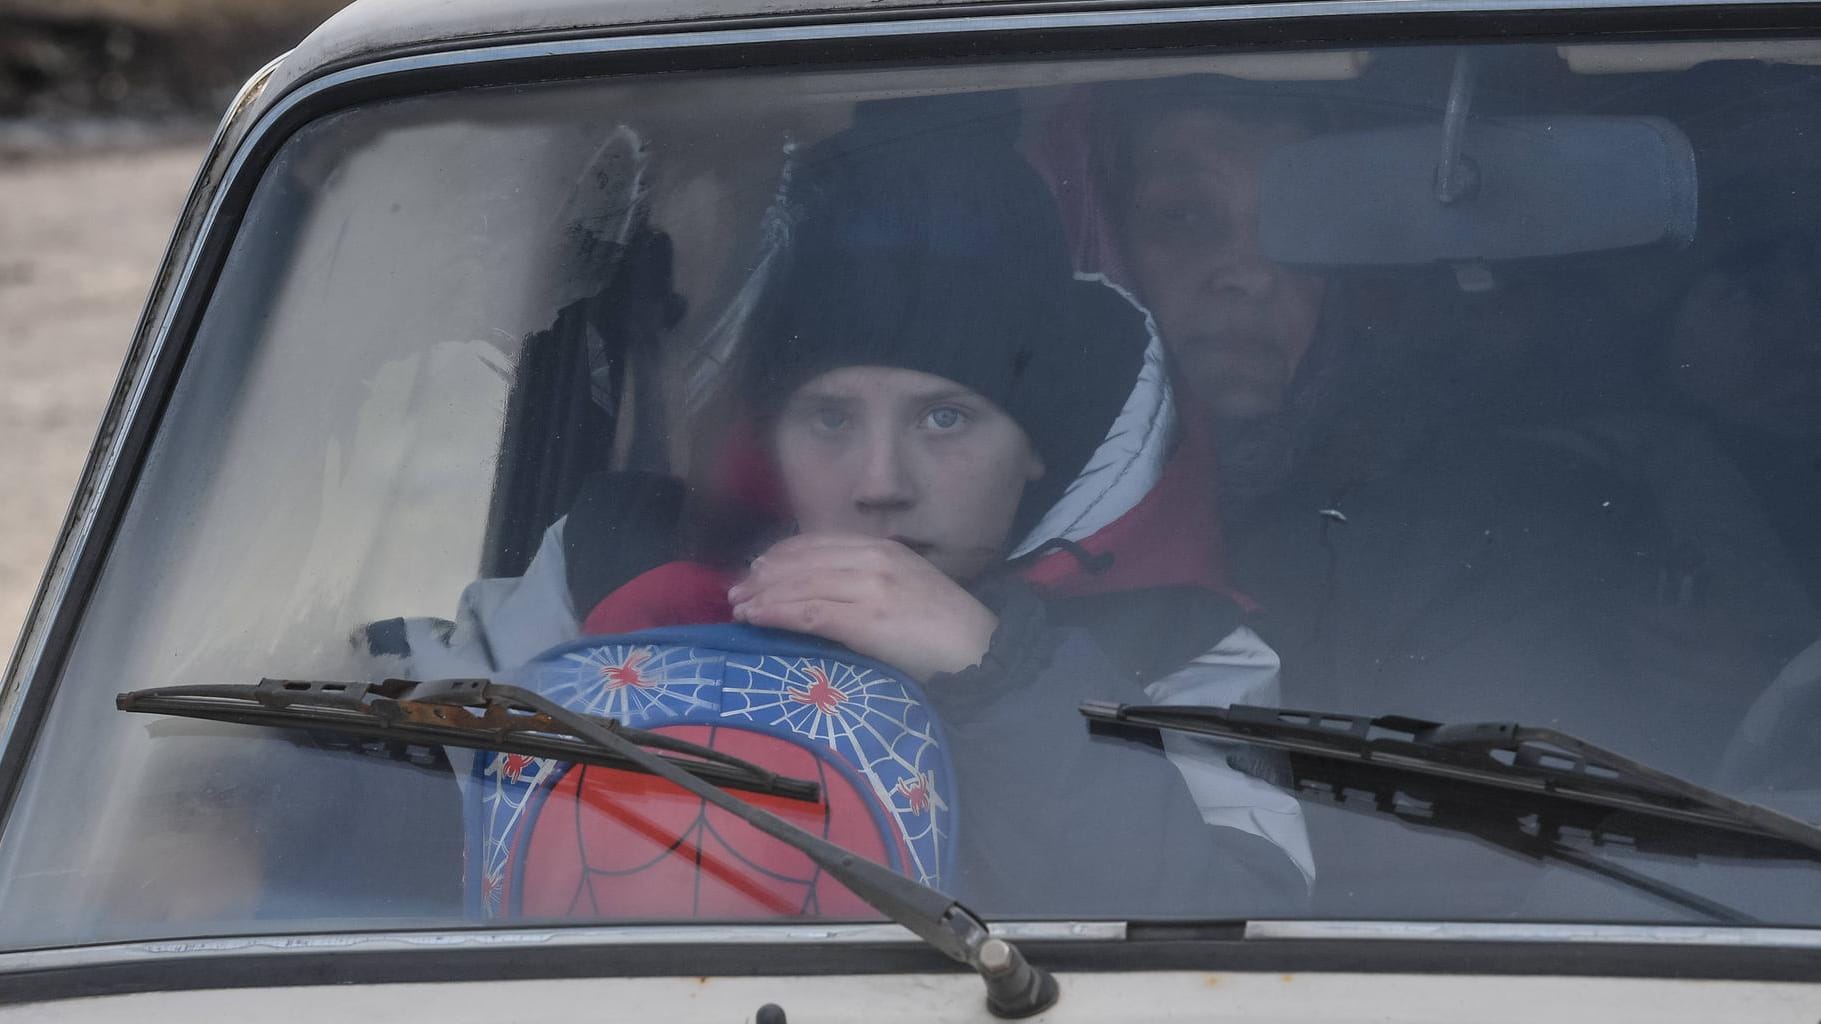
column 1141, row 513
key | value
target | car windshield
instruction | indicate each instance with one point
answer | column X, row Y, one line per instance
column 862, row 424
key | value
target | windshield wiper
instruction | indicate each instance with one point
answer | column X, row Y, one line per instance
column 1521, row 788
column 412, row 712
column 486, row 715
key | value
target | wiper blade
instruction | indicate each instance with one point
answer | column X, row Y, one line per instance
column 1015, row 987
column 414, row 712
column 1523, row 790
column 1538, row 769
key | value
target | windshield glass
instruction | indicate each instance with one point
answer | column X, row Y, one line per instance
column 862, row 424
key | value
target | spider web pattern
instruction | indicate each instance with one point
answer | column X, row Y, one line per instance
column 868, row 717
column 510, row 781
column 872, row 720
column 665, row 684
column 692, row 841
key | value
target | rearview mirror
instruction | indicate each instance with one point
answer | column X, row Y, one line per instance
column 1532, row 187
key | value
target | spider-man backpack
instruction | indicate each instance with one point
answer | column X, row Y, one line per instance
column 548, row 839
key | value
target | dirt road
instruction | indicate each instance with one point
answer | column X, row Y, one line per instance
column 79, row 240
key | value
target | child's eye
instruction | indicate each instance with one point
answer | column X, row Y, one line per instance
column 945, row 417
column 828, row 419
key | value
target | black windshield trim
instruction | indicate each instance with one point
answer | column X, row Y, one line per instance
column 1169, row 951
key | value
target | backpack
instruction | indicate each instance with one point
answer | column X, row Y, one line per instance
column 547, row 839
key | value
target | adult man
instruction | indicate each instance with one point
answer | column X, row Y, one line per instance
column 1177, row 165
column 1463, row 571
column 1238, row 324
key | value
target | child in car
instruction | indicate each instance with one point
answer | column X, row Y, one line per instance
column 960, row 460
column 975, row 479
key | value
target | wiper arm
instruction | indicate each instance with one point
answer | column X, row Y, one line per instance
column 1539, row 770
column 412, row 712
column 1015, row 987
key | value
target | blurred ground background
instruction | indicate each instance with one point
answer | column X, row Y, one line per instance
column 104, row 109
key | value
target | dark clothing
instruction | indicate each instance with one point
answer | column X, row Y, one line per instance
column 1510, row 577
column 1085, row 824
column 1502, row 578
column 1785, row 476
column 1462, row 588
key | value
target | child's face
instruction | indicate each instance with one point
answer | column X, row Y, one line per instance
column 908, row 456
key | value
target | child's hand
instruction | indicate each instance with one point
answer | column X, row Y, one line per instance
column 876, row 596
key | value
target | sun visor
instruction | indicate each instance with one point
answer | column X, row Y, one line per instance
column 1639, row 58
column 1523, row 188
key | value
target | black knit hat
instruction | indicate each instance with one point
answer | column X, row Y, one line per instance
column 922, row 240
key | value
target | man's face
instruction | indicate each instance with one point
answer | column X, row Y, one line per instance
column 1236, row 323
column 909, row 456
